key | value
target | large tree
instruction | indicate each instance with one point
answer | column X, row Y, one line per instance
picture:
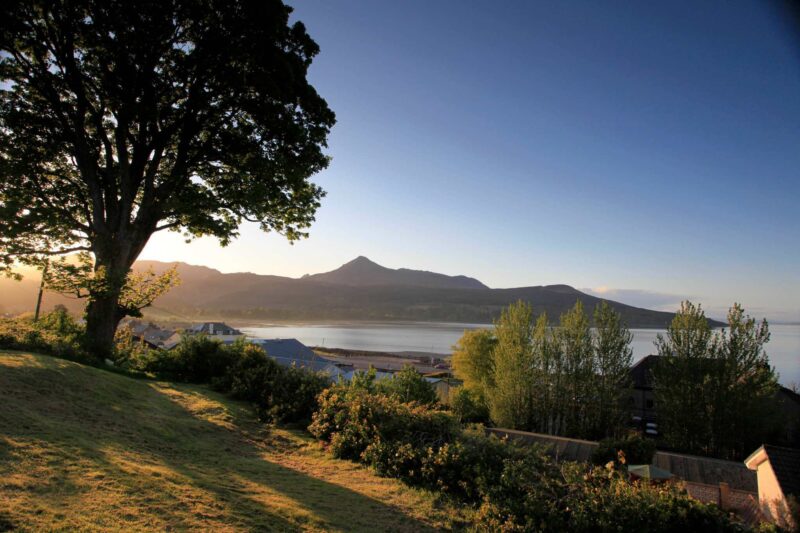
column 119, row 119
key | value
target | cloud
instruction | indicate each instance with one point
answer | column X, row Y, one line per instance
column 659, row 301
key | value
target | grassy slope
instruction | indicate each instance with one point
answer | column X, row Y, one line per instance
column 81, row 448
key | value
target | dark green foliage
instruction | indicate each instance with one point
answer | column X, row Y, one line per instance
column 55, row 333
column 292, row 396
column 279, row 394
column 468, row 405
column 714, row 391
column 408, row 385
column 351, row 419
column 196, row 359
column 636, row 450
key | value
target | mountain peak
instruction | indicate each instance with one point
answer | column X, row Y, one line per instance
column 362, row 271
column 361, row 260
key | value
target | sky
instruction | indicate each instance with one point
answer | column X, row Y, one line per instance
column 646, row 152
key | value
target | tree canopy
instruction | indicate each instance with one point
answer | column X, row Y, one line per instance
column 119, row 119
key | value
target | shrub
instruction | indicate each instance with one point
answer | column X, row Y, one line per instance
column 535, row 494
column 292, row 397
column 55, row 333
column 517, row 488
column 468, row 405
column 245, row 378
column 408, row 385
column 409, row 441
column 130, row 352
column 196, row 359
column 279, row 394
column 637, row 450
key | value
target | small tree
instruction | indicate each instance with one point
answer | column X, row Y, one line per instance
column 473, row 362
column 408, row 385
column 744, row 387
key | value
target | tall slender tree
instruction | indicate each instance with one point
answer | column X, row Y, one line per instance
column 613, row 358
column 680, row 379
column 510, row 402
column 743, row 387
column 574, row 342
column 119, row 119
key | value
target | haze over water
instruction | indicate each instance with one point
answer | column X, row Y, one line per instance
column 783, row 348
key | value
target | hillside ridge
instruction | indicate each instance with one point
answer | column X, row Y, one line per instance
column 358, row 290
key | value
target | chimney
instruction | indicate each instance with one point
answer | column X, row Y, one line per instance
column 724, row 496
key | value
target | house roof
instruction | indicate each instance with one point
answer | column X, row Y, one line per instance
column 785, row 463
column 219, row 328
column 691, row 468
column 641, row 373
column 287, row 349
column 562, row 448
column 291, row 352
column 789, row 394
column 707, row 470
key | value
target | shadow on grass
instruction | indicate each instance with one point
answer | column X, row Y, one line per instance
column 141, row 432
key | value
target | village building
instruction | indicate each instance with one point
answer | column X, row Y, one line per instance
column 778, row 472
column 214, row 329
column 293, row 353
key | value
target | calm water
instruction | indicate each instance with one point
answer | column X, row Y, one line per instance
column 783, row 348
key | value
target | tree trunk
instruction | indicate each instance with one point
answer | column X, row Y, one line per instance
column 102, row 318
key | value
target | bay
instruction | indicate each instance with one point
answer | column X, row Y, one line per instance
column 439, row 338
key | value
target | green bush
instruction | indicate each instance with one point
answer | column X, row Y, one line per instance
column 406, row 440
column 408, row 385
column 280, row 394
column 468, row 405
column 536, row 495
column 292, row 397
column 196, row 359
column 56, row 333
column 351, row 418
column 636, row 450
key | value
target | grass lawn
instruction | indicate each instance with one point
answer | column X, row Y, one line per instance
column 86, row 449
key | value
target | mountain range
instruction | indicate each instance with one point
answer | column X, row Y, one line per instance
column 358, row 290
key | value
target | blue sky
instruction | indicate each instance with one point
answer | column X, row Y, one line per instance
column 646, row 151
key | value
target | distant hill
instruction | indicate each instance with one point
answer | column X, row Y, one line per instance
column 361, row 272
column 364, row 290
column 358, row 290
